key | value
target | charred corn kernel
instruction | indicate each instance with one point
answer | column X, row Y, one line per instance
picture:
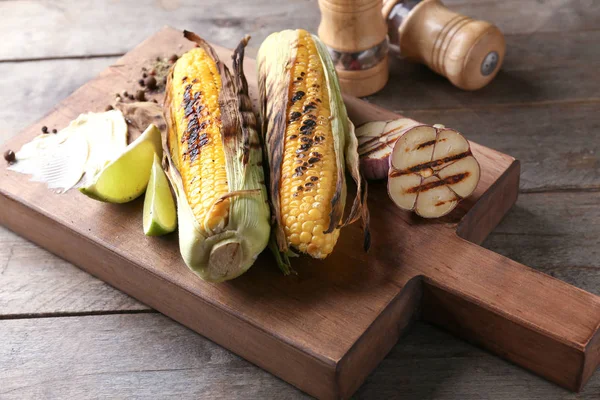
column 214, row 165
column 309, row 151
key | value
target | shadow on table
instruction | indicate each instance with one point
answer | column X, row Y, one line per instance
column 431, row 364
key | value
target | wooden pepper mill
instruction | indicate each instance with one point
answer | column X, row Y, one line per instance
column 468, row 52
column 356, row 35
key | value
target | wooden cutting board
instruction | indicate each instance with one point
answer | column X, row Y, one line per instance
column 326, row 329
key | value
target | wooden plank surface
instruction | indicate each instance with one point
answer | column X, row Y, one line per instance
column 562, row 227
column 148, row 356
column 70, row 28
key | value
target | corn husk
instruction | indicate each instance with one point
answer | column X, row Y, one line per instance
column 274, row 65
column 228, row 251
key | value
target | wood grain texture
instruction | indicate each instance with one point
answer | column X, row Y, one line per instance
column 34, row 282
column 31, row 89
column 148, row 356
column 72, row 27
column 249, row 315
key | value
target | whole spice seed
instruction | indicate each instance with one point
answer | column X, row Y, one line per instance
column 151, row 82
column 130, row 97
column 173, row 58
column 125, row 93
column 140, row 95
column 108, row 108
column 142, row 83
column 144, row 75
column 10, row 156
column 54, row 131
column 44, row 129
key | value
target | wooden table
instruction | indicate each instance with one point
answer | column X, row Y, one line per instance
column 65, row 334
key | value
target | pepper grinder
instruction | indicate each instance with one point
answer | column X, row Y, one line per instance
column 468, row 52
column 356, row 35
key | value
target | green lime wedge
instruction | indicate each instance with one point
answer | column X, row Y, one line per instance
column 126, row 177
column 160, row 215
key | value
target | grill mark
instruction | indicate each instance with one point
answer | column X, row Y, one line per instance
column 426, row 144
column 373, row 150
column 430, row 164
column 441, row 203
column 193, row 134
column 451, row 180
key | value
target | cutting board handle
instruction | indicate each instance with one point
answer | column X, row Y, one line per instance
column 528, row 317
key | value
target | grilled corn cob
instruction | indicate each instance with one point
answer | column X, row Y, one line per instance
column 309, row 143
column 214, row 164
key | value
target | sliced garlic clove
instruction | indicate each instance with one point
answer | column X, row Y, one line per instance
column 414, row 149
column 401, row 190
column 462, row 176
column 435, row 199
column 449, row 147
column 369, row 131
column 375, row 143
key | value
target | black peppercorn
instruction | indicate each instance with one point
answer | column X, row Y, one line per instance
column 10, row 156
column 150, row 82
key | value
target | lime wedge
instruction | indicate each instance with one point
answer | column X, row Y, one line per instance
column 126, row 177
column 160, row 215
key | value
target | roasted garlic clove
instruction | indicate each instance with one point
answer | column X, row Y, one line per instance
column 431, row 170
